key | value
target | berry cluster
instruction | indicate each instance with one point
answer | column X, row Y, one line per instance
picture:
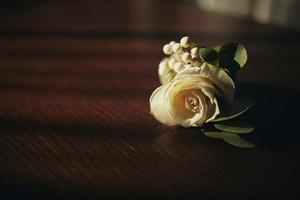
column 182, row 55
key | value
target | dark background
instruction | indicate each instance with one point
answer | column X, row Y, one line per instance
column 75, row 79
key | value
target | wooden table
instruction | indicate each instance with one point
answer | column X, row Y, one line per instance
column 75, row 79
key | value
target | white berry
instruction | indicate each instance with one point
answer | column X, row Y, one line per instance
column 185, row 42
column 186, row 57
column 167, row 49
column 196, row 62
column 172, row 43
column 195, row 51
column 176, row 48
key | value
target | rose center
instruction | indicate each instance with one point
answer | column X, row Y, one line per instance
column 192, row 103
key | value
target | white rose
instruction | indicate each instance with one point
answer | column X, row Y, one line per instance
column 191, row 98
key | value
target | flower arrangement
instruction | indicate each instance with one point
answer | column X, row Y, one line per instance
column 198, row 88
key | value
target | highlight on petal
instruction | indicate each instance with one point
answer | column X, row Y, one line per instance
column 159, row 106
column 215, row 112
column 195, row 121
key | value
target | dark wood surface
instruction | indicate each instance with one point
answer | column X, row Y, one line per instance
column 75, row 78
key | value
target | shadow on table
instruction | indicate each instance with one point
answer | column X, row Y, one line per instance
column 16, row 5
column 275, row 115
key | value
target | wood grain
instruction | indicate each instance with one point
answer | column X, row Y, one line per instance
column 75, row 78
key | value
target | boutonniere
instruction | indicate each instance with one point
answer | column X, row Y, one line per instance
column 198, row 88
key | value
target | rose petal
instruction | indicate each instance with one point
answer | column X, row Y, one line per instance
column 198, row 119
column 216, row 111
column 178, row 111
column 214, row 107
column 159, row 106
column 218, row 76
column 221, row 79
column 209, row 94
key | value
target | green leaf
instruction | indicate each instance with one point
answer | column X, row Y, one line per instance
column 213, row 134
column 229, row 63
column 232, row 57
column 217, row 48
column 238, row 107
column 236, row 140
column 208, row 55
column 235, row 51
column 235, row 127
column 241, row 55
